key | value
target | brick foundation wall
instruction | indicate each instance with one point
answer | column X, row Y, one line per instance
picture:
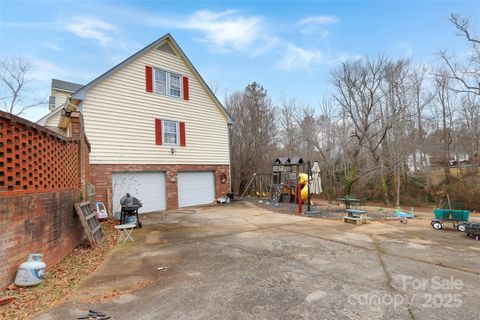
column 42, row 175
column 101, row 177
column 37, row 223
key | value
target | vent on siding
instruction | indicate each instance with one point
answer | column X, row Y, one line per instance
column 167, row 49
column 51, row 103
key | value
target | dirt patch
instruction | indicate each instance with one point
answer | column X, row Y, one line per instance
column 113, row 293
column 59, row 280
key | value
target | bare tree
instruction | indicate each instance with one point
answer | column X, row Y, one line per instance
column 358, row 90
column 324, row 139
column 383, row 114
column 290, row 135
column 470, row 124
column 397, row 146
column 421, row 99
column 13, row 85
column 254, row 135
column 442, row 84
column 466, row 74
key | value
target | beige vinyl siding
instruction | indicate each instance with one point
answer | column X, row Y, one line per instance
column 120, row 118
column 53, row 119
column 60, row 97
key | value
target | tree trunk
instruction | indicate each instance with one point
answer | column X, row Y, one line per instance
column 397, row 176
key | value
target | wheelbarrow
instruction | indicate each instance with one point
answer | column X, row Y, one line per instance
column 458, row 218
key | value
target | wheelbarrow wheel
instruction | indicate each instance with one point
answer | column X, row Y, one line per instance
column 461, row 227
column 437, row 225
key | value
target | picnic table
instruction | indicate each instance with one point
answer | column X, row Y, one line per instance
column 348, row 201
column 359, row 216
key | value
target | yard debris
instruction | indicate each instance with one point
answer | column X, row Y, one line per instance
column 6, row 300
column 98, row 315
column 59, row 280
column 162, row 268
column 90, row 223
column 222, row 200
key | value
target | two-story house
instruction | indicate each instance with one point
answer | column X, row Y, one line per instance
column 155, row 128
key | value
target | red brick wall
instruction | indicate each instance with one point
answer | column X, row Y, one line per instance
column 101, row 177
column 33, row 158
column 41, row 222
column 40, row 180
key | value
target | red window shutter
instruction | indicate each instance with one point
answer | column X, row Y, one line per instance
column 186, row 95
column 183, row 141
column 158, row 131
column 148, row 79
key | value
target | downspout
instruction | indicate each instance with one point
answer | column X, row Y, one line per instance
column 230, row 154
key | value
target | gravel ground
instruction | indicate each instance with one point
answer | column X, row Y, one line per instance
column 320, row 212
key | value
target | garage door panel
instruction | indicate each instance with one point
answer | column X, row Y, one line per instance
column 195, row 188
column 148, row 187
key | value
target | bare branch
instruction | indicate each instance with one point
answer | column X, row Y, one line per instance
column 13, row 81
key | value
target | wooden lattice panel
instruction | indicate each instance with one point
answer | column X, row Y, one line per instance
column 90, row 223
column 36, row 159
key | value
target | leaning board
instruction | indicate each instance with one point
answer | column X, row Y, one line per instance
column 90, row 223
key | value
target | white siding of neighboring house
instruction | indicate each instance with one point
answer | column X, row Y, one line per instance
column 60, row 98
column 52, row 121
column 119, row 118
column 410, row 160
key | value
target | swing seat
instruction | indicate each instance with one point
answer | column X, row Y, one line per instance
column 260, row 194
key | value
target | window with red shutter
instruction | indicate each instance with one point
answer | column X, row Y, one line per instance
column 186, row 95
column 183, row 141
column 148, row 79
column 158, row 131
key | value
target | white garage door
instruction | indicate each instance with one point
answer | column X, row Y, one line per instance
column 195, row 188
column 148, row 187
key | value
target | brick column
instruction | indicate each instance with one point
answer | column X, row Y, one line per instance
column 172, row 187
column 221, row 189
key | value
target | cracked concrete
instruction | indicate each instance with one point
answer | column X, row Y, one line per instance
column 243, row 262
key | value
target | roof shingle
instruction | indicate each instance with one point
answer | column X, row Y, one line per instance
column 65, row 85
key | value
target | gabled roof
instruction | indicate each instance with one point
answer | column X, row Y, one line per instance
column 65, row 85
column 288, row 161
column 296, row 160
column 80, row 93
column 282, row 160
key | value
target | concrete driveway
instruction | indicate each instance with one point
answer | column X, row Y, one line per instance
column 242, row 262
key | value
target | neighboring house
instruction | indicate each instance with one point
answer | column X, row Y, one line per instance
column 60, row 92
column 414, row 162
column 156, row 130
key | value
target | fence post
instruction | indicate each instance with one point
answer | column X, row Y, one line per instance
column 299, row 198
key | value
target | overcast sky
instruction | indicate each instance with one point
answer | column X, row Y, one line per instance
column 288, row 47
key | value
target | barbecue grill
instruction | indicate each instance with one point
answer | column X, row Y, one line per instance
column 130, row 206
column 472, row 228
